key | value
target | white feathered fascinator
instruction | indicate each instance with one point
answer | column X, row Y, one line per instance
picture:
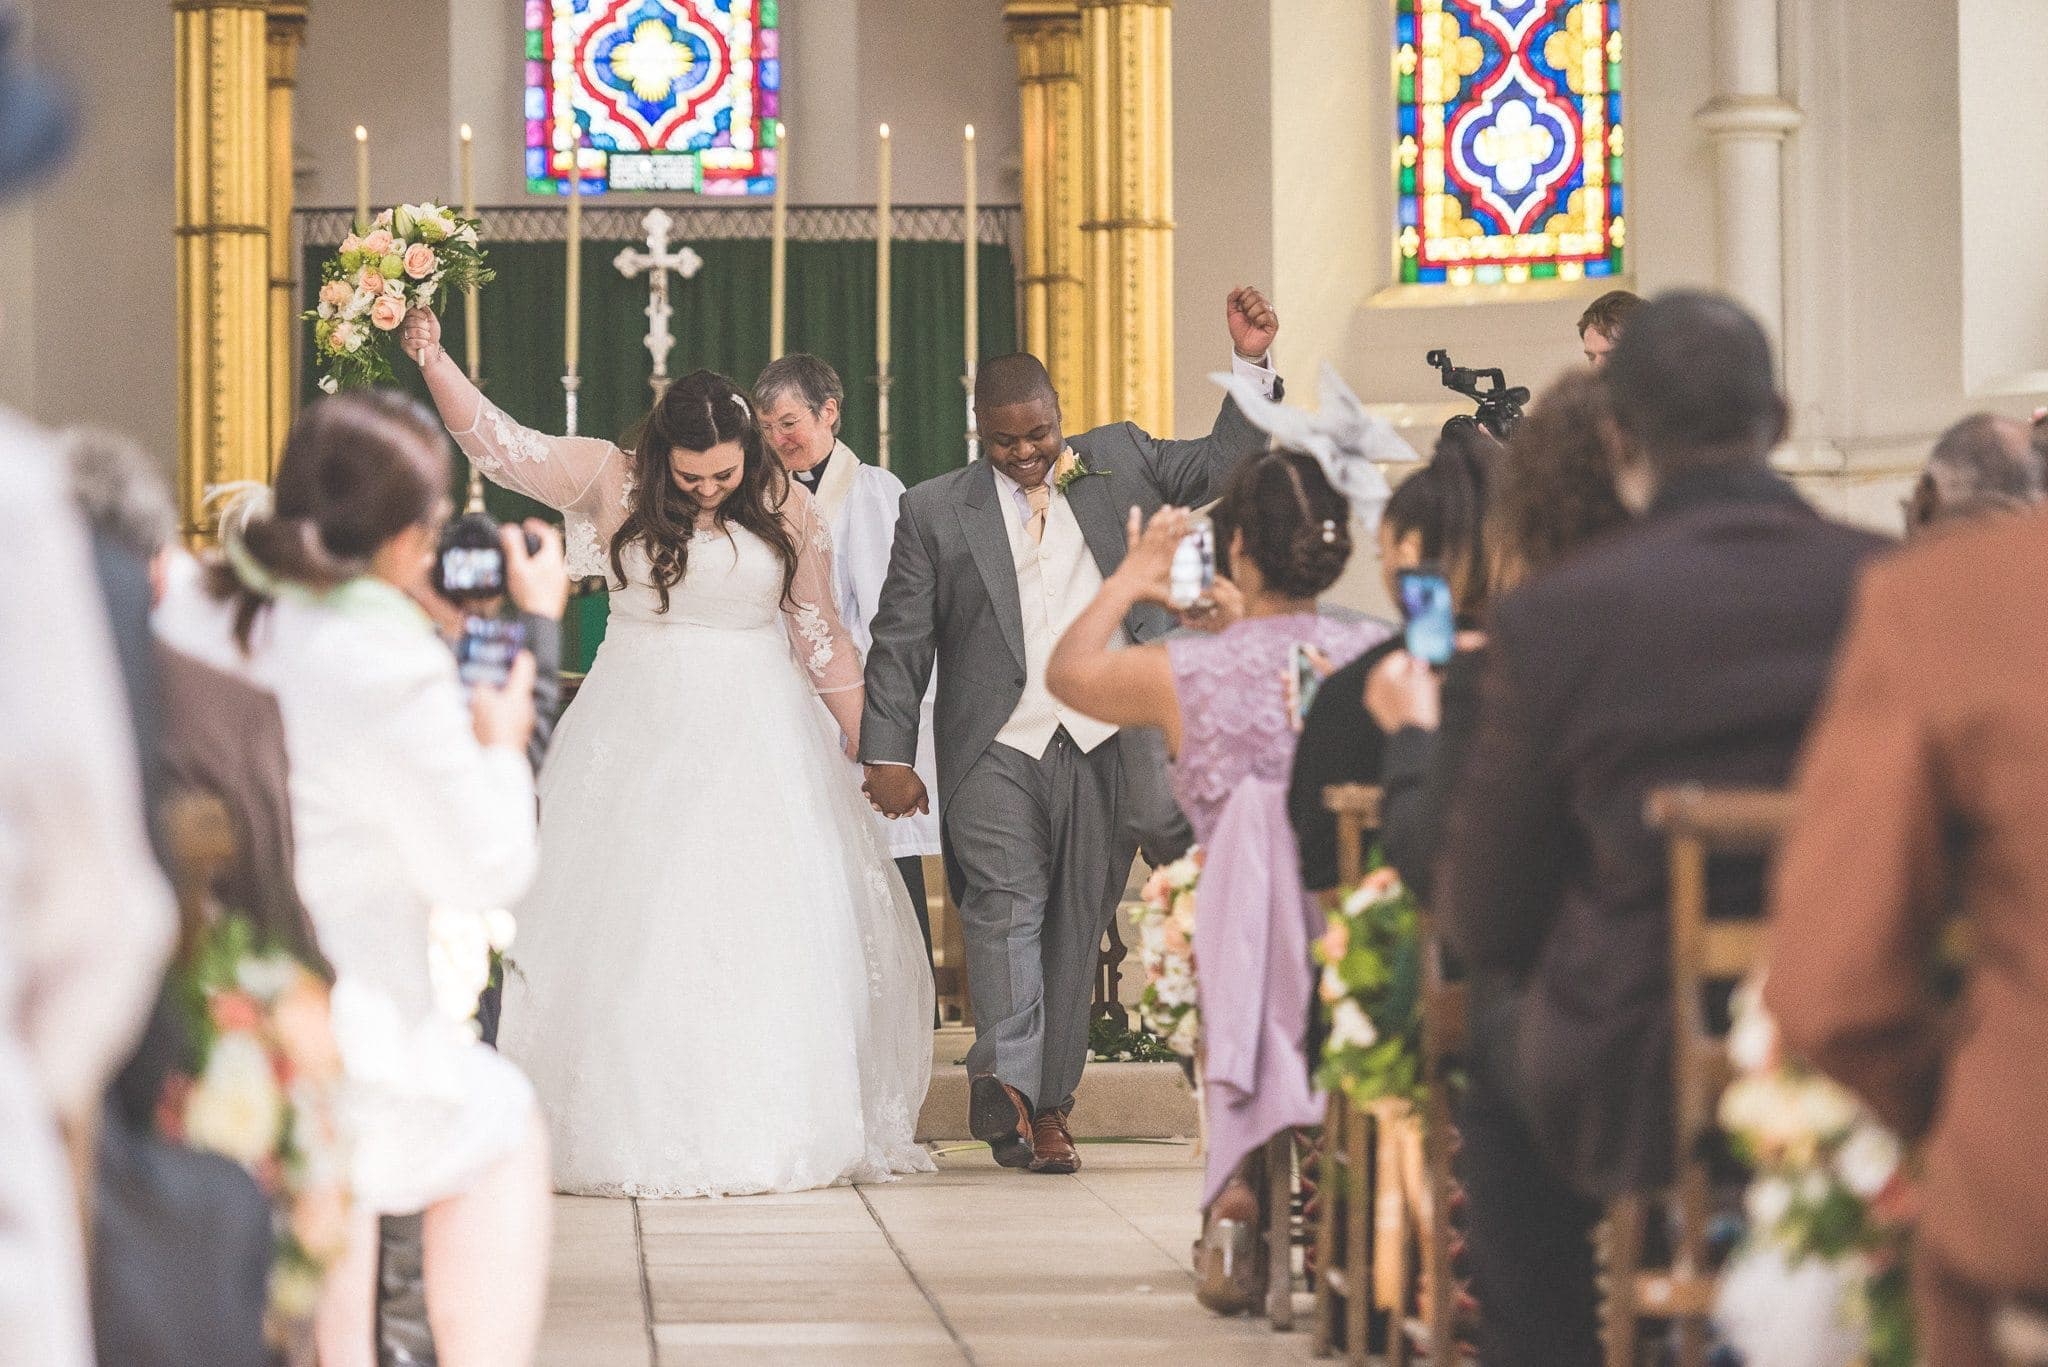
column 1349, row 441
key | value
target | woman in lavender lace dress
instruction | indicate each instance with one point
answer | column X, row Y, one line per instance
column 1225, row 703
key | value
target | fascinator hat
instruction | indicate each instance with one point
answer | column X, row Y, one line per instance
column 1349, row 441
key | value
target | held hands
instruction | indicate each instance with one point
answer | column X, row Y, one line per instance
column 420, row 336
column 502, row 717
column 1403, row 691
column 895, row 790
column 1253, row 323
column 538, row 582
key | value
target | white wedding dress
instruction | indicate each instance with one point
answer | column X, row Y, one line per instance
column 718, row 986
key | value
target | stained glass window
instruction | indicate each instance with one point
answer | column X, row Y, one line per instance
column 1509, row 153
column 658, row 94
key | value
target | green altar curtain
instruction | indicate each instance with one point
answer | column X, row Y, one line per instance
column 721, row 324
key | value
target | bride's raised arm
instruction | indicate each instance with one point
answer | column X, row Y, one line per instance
column 569, row 474
column 816, row 632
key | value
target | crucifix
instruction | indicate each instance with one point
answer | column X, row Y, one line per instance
column 656, row 262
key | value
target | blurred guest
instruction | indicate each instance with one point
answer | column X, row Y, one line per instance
column 1436, row 518
column 1601, row 324
column 1223, row 703
column 1691, row 648
column 1919, row 796
column 181, row 1247
column 1983, row 464
column 407, row 810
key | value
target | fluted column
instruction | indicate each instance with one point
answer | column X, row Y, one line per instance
column 1749, row 120
column 1127, row 76
column 1047, row 36
column 285, row 34
column 223, row 232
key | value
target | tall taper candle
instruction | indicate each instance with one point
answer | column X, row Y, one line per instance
column 885, row 229
column 475, row 341
column 971, row 238
column 778, row 288
column 572, row 345
column 362, row 179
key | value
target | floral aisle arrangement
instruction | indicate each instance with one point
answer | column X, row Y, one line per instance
column 1371, row 956
column 412, row 256
column 1828, row 1204
column 262, row 1093
column 1165, row 924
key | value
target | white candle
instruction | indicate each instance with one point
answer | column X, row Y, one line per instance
column 884, row 231
column 572, row 347
column 475, row 347
column 778, row 288
column 973, row 261
column 362, row 179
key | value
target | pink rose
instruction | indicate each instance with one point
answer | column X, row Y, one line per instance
column 336, row 294
column 378, row 243
column 420, row 261
column 387, row 313
column 234, row 1012
column 373, row 281
column 305, row 1031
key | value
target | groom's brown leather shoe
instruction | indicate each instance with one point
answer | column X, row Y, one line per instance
column 1052, row 1145
column 1000, row 1116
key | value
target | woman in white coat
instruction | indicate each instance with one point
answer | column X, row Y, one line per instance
column 407, row 804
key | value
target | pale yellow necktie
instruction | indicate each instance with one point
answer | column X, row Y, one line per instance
column 1040, row 499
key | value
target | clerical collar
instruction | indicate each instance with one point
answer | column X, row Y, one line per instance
column 815, row 476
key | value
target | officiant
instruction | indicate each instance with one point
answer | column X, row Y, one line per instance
column 798, row 400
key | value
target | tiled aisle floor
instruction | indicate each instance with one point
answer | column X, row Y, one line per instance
column 971, row 1265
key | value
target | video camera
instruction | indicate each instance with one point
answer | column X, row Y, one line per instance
column 1500, row 407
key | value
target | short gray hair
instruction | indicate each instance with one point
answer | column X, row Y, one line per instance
column 805, row 376
column 1983, row 464
column 120, row 490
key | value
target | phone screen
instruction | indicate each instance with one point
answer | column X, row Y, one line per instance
column 488, row 647
column 1432, row 623
column 1306, row 668
column 1194, row 567
column 473, row 570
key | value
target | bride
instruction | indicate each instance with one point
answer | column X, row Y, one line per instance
column 719, row 986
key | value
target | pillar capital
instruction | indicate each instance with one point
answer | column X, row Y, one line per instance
column 1749, row 116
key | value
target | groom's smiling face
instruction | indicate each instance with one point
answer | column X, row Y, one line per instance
column 1023, row 440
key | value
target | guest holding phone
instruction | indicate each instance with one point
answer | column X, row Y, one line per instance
column 1223, row 702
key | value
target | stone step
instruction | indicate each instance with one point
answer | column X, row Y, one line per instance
column 1115, row 1101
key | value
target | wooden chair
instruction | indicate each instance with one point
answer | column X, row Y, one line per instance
column 1698, row 823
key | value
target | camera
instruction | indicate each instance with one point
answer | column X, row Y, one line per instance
column 470, row 563
column 1500, row 407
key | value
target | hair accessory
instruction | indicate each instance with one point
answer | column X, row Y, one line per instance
column 1347, row 439
column 1329, row 532
column 740, row 399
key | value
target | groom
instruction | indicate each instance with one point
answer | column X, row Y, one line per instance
column 990, row 565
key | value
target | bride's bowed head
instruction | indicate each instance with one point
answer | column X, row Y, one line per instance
column 700, row 465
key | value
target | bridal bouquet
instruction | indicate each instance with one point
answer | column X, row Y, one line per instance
column 1371, row 954
column 464, row 950
column 1165, row 924
column 262, row 1093
column 1826, row 1206
column 411, row 257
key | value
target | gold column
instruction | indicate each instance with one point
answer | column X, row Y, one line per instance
column 223, row 248
column 1127, row 225
column 1047, row 36
column 285, row 35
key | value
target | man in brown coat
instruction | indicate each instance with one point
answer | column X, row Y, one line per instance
column 1922, row 793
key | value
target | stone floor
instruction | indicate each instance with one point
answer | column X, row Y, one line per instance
column 970, row 1265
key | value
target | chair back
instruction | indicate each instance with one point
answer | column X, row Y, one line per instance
column 1357, row 809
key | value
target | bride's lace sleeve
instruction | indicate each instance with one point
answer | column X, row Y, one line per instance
column 822, row 644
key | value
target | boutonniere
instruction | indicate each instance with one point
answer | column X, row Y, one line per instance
column 1070, row 467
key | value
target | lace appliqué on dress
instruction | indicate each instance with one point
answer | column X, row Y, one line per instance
column 516, row 443
column 810, row 624
column 582, row 552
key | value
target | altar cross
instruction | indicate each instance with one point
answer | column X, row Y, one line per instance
column 657, row 262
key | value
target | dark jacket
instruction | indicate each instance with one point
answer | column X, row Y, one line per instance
column 1692, row 648
column 1418, row 771
column 1340, row 743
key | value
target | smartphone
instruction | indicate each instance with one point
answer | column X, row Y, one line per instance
column 1432, row 623
column 1194, row 566
column 487, row 649
column 471, row 562
column 1307, row 667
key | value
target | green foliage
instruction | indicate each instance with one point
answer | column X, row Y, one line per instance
column 1109, row 1042
column 1371, row 993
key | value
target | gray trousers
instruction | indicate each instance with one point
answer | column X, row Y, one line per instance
column 1037, row 859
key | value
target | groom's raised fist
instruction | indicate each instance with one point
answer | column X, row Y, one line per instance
column 1254, row 323
column 895, row 790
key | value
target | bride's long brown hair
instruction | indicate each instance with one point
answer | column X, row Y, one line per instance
column 702, row 410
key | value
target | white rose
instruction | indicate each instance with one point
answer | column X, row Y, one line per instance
column 1769, row 1201
column 458, row 961
column 499, row 928
column 1826, row 1109
column 1182, row 1040
column 267, row 976
column 1867, row 1160
column 235, row 1108
column 1753, row 1041
column 1351, row 1028
column 358, row 305
column 329, row 385
column 327, row 310
column 347, row 337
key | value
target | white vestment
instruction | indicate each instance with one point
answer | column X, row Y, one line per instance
column 859, row 501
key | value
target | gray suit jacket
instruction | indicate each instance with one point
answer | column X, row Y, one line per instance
column 951, row 593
